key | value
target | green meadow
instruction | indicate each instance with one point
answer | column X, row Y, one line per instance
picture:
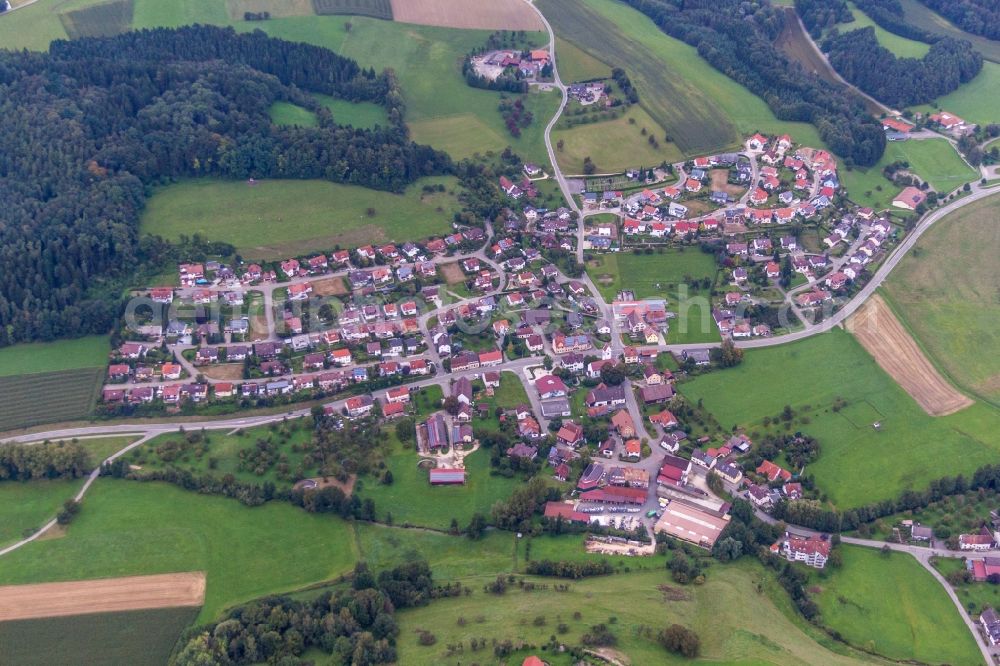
column 934, row 160
column 893, row 606
column 296, row 216
column 908, row 451
column 576, row 64
column 26, row 506
column 613, row 145
column 130, row 528
column 901, row 46
column 74, row 354
column 978, row 101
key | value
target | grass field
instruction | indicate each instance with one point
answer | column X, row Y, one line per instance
column 894, row 607
column 945, row 293
column 578, row 65
column 286, row 113
column 100, row 639
column 28, row 506
column 411, row 499
column 129, row 527
column 381, row 9
column 108, row 18
column 357, row 114
column 48, row 397
column 662, row 276
column 978, row 101
column 224, row 449
column 901, row 46
column 933, row 160
column 701, row 108
column 614, row 145
column 298, row 215
column 758, row 628
column 88, row 352
column 909, row 450
column 918, row 14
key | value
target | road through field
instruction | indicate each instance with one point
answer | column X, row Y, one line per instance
column 26, row 602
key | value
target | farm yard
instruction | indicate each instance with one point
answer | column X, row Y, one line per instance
column 934, row 160
column 96, row 639
column 810, row 376
column 675, row 85
column 877, row 329
column 944, row 291
column 892, row 605
column 132, row 528
column 298, row 215
column 741, row 595
column 476, row 14
column 613, row 145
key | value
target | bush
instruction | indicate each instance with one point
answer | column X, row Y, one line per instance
column 680, row 640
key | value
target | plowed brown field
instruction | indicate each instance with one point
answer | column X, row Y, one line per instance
column 877, row 329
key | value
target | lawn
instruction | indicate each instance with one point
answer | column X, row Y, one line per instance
column 614, row 145
column 298, row 216
column 131, row 528
column 29, row 505
column 758, row 628
column 676, row 86
column 900, row 46
column 99, row 639
column 909, row 450
column 48, row 397
column 412, row 500
column 944, row 291
column 666, row 276
column 978, row 101
column 934, row 160
column 88, row 352
column 220, row 455
column 892, row 605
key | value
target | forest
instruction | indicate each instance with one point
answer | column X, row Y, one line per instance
column 49, row 460
column 118, row 115
column 737, row 39
column 859, row 58
column 980, row 17
column 820, row 15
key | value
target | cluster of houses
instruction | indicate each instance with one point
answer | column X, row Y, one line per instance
column 527, row 64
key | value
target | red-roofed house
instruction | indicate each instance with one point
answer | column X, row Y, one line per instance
column 772, row 472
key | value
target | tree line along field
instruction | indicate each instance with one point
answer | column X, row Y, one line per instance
column 908, row 451
column 934, row 160
column 130, row 528
column 945, row 292
column 133, row 637
column 890, row 604
column 900, row 46
column 701, row 108
column 921, row 16
column 298, row 215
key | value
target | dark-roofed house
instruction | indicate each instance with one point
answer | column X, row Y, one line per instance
column 656, row 393
column 556, row 407
column 592, row 477
column 990, row 622
column 603, row 395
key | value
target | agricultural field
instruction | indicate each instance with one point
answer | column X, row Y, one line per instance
column 761, row 628
column 675, row 85
column 103, row 20
column 577, row 65
column 893, row 606
column 133, row 528
column 276, row 8
column 977, row 101
column 934, row 160
column 944, row 291
column 877, row 329
column 662, row 276
column 23, row 359
column 48, row 397
column 26, row 506
column 809, row 376
column 298, row 215
column 476, row 14
column 918, row 14
column 98, row 639
column 380, row 9
column 411, row 499
column 219, row 454
column 614, row 145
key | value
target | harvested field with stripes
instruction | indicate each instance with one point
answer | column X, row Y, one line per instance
column 48, row 397
column 479, row 14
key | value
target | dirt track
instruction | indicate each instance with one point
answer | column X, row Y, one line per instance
column 22, row 602
column 480, row 14
column 877, row 329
